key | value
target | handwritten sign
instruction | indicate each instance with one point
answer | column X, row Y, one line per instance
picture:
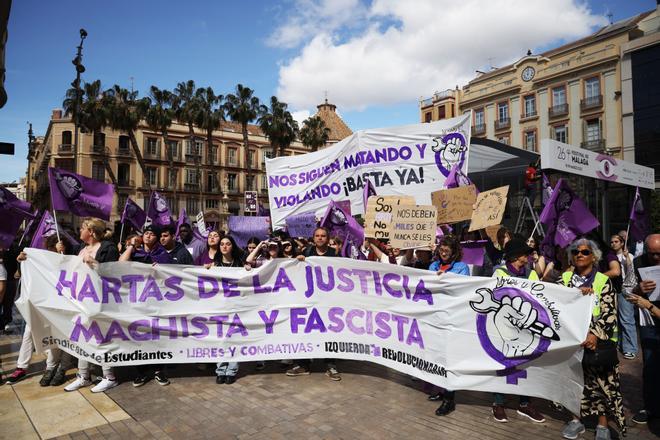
column 489, row 208
column 413, row 226
column 301, row 225
column 454, row 205
column 378, row 217
column 491, row 232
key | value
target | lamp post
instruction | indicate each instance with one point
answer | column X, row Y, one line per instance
column 77, row 61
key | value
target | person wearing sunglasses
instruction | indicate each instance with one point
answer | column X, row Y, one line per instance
column 649, row 330
column 602, row 390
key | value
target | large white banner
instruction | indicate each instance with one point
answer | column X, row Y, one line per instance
column 409, row 160
column 511, row 336
column 569, row 159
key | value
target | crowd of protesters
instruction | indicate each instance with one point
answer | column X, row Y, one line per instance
column 622, row 313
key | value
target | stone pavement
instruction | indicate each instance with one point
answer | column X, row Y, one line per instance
column 369, row 402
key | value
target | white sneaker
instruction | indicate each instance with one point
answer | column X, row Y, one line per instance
column 78, row 383
column 104, row 385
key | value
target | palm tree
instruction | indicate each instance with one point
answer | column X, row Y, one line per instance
column 209, row 117
column 159, row 116
column 279, row 126
column 92, row 115
column 243, row 107
column 186, row 109
column 124, row 114
column 314, row 134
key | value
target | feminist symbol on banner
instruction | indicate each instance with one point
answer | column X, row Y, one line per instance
column 513, row 329
column 161, row 203
column 450, row 150
column 68, row 185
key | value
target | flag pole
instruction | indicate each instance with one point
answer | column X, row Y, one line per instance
column 121, row 232
column 625, row 242
column 57, row 227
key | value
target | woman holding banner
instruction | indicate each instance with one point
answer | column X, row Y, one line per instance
column 602, row 391
column 230, row 255
column 98, row 249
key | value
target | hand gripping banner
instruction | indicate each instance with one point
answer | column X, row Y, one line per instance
column 501, row 335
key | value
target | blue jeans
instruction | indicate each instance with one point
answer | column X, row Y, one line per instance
column 226, row 369
column 627, row 327
column 650, row 338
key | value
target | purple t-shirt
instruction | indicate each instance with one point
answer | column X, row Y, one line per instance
column 203, row 259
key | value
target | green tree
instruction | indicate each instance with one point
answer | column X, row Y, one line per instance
column 278, row 125
column 314, row 134
column 158, row 115
column 125, row 112
column 243, row 107
column 209, row 117
column 92, row 115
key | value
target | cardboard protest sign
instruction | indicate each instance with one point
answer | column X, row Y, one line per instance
column 489, row 208
column 378, row 217
column 413, row 226
column 454, row 205
column 491, row 232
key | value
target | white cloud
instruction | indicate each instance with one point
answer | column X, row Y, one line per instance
column 405, row 50
column 300, row 116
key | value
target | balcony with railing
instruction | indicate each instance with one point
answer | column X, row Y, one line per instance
column 146, row 182
column 597, row 145
column 591, row 103
column 98, row 148
column 124, row 152
column 478, row 129
column 503, row 124
column 152, row 154
column 65, row 148
column 558, row 110
column 188, row 186
column 125, row 183
column 530, row 114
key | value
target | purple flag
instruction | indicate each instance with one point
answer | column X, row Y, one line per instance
column 457, row 178
column 183, row 218
column 369, row 190
column 473, row 252
column 340, row 223
column 27, row 232
column 243, row 228
column 546, row 189
column 12, row 212
column 301, row 225
column 133, row 214
column 45, row 229
column 639, row 219
column 158, row 211
column 80, row 195
column 566, row 216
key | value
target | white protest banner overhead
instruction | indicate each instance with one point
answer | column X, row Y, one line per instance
column 454, row 331
column 411, row 160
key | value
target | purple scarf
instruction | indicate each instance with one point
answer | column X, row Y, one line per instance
column 516, row 273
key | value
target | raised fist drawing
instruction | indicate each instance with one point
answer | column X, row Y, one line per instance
column 512, row 321
column 68, row 185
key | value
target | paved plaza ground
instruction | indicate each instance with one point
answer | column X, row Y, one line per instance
column 369, row 402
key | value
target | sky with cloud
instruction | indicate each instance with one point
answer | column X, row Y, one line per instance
column 373, row 59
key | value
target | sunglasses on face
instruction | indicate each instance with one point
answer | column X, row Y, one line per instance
column 585, row 252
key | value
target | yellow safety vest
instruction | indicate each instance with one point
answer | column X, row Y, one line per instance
column 501, row 273
column 598, row 285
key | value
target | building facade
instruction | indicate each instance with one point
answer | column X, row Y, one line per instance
column 189, row 174
column 572, row 94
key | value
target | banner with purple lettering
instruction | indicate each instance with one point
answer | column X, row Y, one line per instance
column 510, row 336
column 411, row 160
column 80, row 195
column 243, row 228
column 301, row 225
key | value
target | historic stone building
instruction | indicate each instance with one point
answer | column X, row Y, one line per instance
column 190, row 175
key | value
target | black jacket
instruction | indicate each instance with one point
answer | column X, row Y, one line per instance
column 180, row 254
column 107, row 252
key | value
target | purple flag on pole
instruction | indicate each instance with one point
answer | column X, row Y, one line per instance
column 474, row 252
column 369, row 190
column 566, row 216
column 183, row 218
column 457, row 178
column 45, row 229
column 12, row 213
column 639, row 219
column 80, row 195
column 340, row 223
column 546, row 189
column 133, row 214
column 158, row 211
column 243, row 228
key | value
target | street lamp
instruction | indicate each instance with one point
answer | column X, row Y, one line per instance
column 77, row 61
